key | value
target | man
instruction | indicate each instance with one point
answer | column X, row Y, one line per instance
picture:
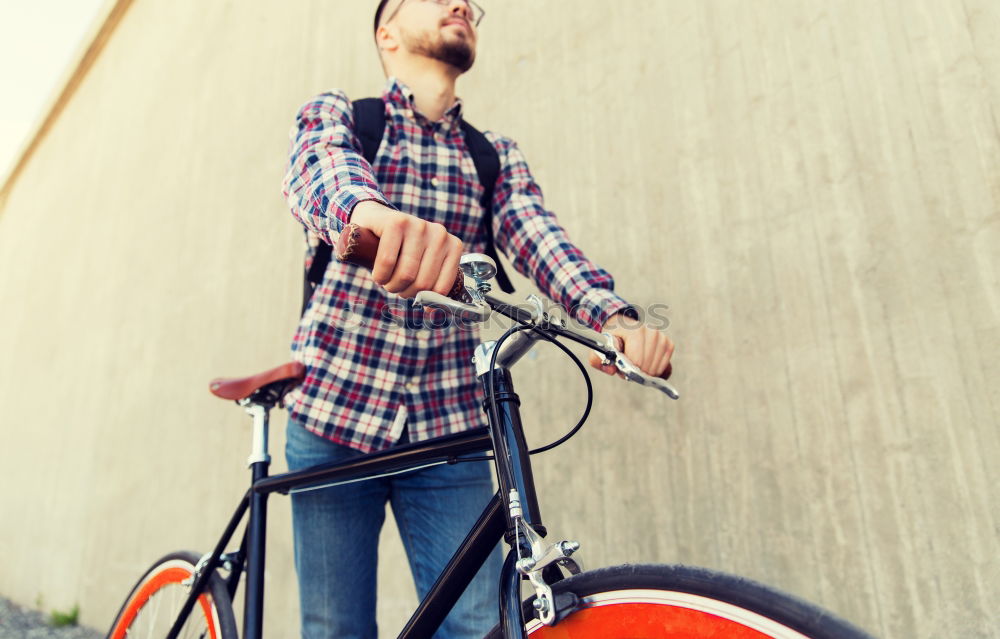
column 376, row 375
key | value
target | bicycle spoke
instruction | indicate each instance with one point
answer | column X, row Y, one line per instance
column 155, row 612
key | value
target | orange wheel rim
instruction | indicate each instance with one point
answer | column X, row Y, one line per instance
column 646, row 621
column 171, row 575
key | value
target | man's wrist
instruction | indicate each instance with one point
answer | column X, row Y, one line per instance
column 627, row 317
column 346, row 199
column 629, row 312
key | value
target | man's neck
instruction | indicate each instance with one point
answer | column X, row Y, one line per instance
column 433, row 85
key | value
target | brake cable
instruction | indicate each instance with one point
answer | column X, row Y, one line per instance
column 494, row 412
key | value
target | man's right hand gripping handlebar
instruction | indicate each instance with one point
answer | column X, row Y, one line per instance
column 410, row 257
column 405, row 254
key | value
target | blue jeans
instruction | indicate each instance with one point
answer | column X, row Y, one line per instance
column 336, row 532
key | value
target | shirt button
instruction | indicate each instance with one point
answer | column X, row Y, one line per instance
column 411, row 386
column 424, row 333
column 434, row 182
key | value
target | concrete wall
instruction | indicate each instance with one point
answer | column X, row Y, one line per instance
column 811, row 186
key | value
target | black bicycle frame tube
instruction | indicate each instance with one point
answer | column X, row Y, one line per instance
column 253, row 611
column 398, row 458
column 213, row 562
column 233, row 580
column 459, row 572
column 513, row 465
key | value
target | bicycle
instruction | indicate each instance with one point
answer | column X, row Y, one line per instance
column 636, row 601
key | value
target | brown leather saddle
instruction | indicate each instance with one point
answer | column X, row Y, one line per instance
column 267, row 388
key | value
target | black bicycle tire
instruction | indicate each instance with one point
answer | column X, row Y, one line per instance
column 216, row 589
column 799, row 615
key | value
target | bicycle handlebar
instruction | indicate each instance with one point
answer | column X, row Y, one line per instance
column 359, row 246
column 606, row 345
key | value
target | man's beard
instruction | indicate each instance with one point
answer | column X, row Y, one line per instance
column 457, row 53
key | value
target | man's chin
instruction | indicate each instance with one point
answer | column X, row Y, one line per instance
column 458, row 55
column 451, row 49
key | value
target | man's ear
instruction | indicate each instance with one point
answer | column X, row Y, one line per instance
column 386, row 39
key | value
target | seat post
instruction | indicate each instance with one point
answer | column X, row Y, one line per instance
column 258, row 449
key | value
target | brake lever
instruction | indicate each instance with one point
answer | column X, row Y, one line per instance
column 633, row 374
column 476, row 312
column 630, row 371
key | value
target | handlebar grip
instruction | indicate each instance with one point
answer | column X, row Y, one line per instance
column 359, row 246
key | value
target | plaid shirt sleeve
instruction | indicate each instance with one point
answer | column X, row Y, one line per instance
column 327, row 173
column 540, row 249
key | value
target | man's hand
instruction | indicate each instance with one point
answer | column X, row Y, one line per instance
column 413, row 254
column 647, row 348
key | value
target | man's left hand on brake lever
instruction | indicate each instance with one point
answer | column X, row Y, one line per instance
column 647, row 348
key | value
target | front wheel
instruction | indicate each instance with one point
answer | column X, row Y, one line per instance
column 154, row 603
column 680, row 602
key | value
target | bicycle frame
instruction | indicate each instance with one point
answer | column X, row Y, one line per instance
column 505, row 436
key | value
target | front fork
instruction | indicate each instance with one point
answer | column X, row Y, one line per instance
column 529, row 556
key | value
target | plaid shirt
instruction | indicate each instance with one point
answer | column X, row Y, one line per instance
column 374, row 363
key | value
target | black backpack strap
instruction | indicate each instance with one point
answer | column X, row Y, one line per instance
column 369, row 126
column 487, row 162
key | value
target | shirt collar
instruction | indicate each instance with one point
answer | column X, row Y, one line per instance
column 398, row 94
